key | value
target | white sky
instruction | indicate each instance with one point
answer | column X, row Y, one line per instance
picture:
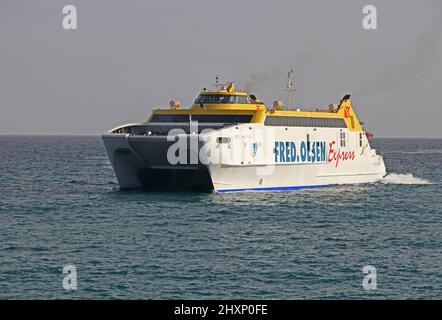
column 130, row 56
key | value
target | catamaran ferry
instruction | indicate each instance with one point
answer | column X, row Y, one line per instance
column 230, row 141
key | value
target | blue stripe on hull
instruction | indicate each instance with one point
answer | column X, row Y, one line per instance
column 273, row 188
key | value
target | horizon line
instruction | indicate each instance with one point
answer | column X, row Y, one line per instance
column 99, row 134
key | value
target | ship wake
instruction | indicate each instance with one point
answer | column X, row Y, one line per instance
column 403, row 178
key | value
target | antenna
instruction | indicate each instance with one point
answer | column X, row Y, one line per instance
column 217, row 84
column 290, row 87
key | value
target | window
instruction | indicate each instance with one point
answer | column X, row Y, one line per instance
column 221, row 98
column 223, row 140
column 210, row 118
column 360, row 139
column 343, row 141
column 304, row 122
column 243, row 99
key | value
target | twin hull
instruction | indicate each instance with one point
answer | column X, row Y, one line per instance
column 244, row 157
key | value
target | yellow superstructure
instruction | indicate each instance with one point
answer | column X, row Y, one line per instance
column 227, row 101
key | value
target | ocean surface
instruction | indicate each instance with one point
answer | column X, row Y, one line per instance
column 60, row 205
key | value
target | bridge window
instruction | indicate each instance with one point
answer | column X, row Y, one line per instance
column 221, row 98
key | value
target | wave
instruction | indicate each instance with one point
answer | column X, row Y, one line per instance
column 403, row 178
column 426, row 151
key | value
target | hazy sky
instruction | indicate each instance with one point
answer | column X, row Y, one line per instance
column 130, row 56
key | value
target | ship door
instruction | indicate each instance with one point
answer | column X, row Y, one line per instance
column 309, row 140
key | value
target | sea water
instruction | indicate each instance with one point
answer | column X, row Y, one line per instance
column 60, row 205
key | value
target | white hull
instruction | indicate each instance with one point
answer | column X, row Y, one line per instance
column 230, row 179
column 247, row 157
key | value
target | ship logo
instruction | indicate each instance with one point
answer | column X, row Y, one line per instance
column 254, row 149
